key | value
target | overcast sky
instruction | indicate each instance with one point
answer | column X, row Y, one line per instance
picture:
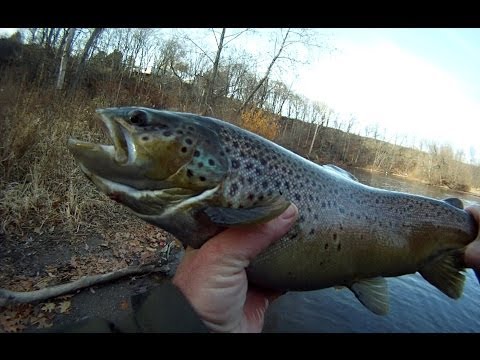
column 420, row 83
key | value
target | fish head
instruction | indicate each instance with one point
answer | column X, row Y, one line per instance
column 158, row 158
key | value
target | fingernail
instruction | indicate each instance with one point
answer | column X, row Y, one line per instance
column 290, row 213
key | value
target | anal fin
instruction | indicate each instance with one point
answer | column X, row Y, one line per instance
column 373, row 294
column 445, row 273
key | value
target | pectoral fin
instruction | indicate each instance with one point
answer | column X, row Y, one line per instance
column 255, row 215
column 445, row 273
column 373, row 294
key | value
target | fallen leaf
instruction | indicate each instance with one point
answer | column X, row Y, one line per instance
column 65, row 307
column 10, row 323
column 48, row 307
column 41, row 321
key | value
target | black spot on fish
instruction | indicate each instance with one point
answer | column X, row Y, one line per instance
column 293, row 236
column 263, row 161
column 277, row 183
column 315, row 217
column 301, row 218
column 251, row 196
column 222, row 153
column 183, row 149
column 211, row 162
column 358, row 216
column 233, row 189
column 334, row 236
column 200, row 164
column 167, row 133
column 323, row 204
column 250, row 180
column 191, row 128
column 261, row 197
column 258, row 171
column 312, row 231
column 342, row 210
column 339, row 247
column 227, row 150
column 188, row 141
column 179, row 132
column 248, row 166
column 361, row 236
column 202, row 178
column 376, row 201
column 145, row 138
column 196, row 153
column 287, row 185
column 241, row 179
column 235, row 164
column 310, row 197
column 298, row 197
column 189, row 173
column 326, row 246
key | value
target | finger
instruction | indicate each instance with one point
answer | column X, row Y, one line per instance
column 474, row 210
column 246, row 243
column 472, row 252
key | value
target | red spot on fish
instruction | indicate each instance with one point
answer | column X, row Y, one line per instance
column 115, row 196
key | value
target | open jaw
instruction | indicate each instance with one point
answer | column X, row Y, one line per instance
column 119, row 132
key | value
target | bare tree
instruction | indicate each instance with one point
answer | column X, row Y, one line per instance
column 63, row 62
column 287, row 39
column 87, row 50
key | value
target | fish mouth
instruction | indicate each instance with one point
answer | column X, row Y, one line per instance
column 122, row 150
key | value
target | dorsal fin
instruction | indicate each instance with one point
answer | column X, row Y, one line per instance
column 454, row 202
column 339, row 171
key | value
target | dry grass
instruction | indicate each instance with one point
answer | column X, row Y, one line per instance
column 41, row 186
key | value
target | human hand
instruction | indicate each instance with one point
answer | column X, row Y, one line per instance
column 472, row 253
column 214, row 280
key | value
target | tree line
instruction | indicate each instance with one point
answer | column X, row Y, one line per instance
column 210, row 72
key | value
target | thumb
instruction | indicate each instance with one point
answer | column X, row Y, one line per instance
column 247, row 242
column 472, row 253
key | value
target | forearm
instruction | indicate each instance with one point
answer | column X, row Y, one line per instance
column 163, row 310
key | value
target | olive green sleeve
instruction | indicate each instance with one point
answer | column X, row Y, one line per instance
column 163, row 309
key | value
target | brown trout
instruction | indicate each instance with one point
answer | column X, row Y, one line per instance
column 194, row 176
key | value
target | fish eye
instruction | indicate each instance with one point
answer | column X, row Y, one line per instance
column 138, row 117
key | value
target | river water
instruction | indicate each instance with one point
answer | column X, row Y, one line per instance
column 415, row 305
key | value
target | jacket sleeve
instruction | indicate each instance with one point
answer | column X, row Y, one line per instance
column 162, row 309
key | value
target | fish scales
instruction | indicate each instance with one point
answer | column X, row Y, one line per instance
column 195, row 176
